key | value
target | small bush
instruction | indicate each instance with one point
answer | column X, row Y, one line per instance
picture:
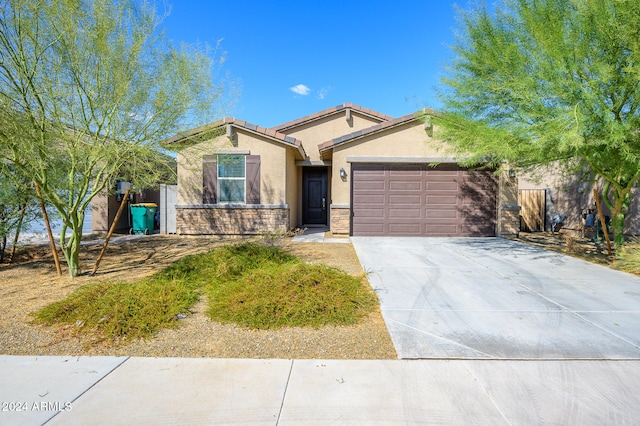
column 122, row 310
column 293, row 294
column 250, row 284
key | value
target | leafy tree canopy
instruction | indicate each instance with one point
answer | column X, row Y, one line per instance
column 537, row 81
column 87, row 89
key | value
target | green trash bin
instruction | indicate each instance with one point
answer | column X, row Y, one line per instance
column 143, row 218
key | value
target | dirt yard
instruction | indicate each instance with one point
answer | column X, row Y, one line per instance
column 569, row 243
column 31, row 283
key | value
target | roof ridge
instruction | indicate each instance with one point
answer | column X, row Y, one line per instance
column 374, row 129
column 328, row 111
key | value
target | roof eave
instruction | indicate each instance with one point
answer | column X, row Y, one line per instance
column 378, row 128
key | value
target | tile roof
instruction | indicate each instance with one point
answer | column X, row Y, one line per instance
column 329, row 111
column 385, row 125
column 254, row 128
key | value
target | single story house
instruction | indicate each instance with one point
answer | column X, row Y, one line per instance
column 350, row 169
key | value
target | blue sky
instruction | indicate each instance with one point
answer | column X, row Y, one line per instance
column 294, row 58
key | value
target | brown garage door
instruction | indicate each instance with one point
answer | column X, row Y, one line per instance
column 414, row 199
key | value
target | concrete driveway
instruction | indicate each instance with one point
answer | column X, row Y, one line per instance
column 490, row 298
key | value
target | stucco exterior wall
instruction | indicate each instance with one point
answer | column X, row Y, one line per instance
column 273, row 170
column 508, row 209
column 330, row 127
column 410, row 140
column 569, row 193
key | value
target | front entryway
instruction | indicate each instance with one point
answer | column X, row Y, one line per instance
column 314, row 196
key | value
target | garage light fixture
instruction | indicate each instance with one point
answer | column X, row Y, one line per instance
column 343, row 174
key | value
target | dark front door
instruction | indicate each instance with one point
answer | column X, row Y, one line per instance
column 314, row 196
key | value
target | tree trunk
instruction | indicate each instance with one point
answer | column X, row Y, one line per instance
column 46, row 222
column 111, row 229
column 618, row 199
column 71, row 251
column 17, row 235
column 617, row 226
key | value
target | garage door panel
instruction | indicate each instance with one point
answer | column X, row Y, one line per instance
column 405, row 185
column 441, row 214
column 445, row 200
column 366, row 199
column 415, row 170
column 405, row 199
column 405, row 213
column 420, row 200
column 442, row 186
column 402, row 228
column 369, row 213
column 442, row 177
column 369, row 185
column 368, row 229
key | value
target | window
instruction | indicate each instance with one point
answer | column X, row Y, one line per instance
column 231, row 178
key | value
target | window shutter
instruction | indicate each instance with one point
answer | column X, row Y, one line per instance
column 209, row 179
column 253, row 179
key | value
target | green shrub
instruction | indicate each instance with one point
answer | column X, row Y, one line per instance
column 292, row 294
column 119, row 310
column 250, row 284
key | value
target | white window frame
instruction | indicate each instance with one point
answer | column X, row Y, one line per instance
column 220, row 179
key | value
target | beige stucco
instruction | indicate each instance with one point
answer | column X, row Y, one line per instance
column 568, row 193
column 274, row 165
column 322, row 130
column 410, row 140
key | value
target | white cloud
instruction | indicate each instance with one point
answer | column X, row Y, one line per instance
column 300, row 89
column 322, row 93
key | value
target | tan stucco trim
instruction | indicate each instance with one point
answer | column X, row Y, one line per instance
column 313, row 163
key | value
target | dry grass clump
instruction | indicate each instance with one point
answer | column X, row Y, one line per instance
column 628, row 258
column 250, row 284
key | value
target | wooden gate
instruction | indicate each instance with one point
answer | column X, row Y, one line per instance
column 533, row 209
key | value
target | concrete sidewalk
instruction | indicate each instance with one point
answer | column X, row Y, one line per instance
column 121, row 390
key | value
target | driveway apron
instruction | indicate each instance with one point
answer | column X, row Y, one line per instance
column 491, row 298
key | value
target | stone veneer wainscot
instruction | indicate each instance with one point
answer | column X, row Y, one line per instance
column 231, row 219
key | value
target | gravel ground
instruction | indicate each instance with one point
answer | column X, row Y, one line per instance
column 32, row 283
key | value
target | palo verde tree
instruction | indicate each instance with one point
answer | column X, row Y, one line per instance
column 87, row 89
column 18, row 205
column 541, row 81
